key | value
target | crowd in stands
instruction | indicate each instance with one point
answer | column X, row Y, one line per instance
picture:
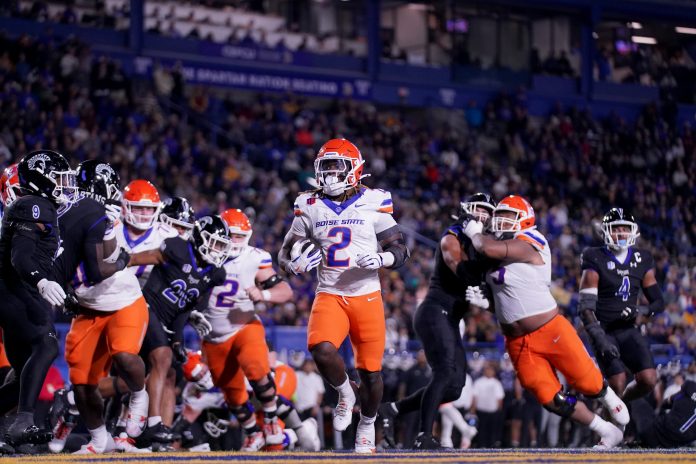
column 256, row 152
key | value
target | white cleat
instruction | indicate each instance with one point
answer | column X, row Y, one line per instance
column 365, row 439
column 126, row 444
column 617, row 408
column 137, row 416
column 343, row 414
column 308, row 435
column 611, row 438
column 203, row 447
column 273, row 432
column 61, row 431
column 93, row 448
column 467, row 436
column 254, row 442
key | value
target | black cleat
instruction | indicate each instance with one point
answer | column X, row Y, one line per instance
column 5, row 448
column 29, row 435
column 59, row 406
column 159, row 433
column 426, row 442
column 388, row 415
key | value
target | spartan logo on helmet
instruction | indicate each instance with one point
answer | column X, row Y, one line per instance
column 105, row 170
column 38, row 162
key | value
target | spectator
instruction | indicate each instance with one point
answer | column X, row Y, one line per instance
column 488, row 406
column 310, row 390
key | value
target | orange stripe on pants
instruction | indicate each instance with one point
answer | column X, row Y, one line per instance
column 243, row 354
column 334, row 317
column 553, row 346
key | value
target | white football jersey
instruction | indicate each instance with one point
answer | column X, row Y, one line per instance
column 521, row 289
column 345, row 231
column 111, row 294
column 202, row 400
column 150, row 240
column 224, row 299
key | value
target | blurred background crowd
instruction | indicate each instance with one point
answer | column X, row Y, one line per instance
column 255, row 151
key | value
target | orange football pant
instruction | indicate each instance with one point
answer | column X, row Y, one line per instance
column 244, row 354
column 96, row 336
column 553, row 346
column 334, row 317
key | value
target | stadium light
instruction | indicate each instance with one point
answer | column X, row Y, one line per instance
column 643, row 40
column 634, row 25
column 685, row 30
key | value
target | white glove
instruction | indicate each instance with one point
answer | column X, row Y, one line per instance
column 51, row 291
column 113, row 212
column 304, row 261
column 375, row 260
column 475, row 296
column 199, row 322
column 473, row 227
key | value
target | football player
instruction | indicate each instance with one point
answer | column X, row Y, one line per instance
column 348, row 232
column 236, row 345
column 612, row 277
column 111, row 315
column 538, row 339
column 436, row 321
column 9, row 186
column 178, row 214
column 29, row 243
column 185, row 274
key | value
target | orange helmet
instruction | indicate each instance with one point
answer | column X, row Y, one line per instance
column 238, row 223
column 9, row 185
column 338, row 166
column 524, row 215
column 141, row 193
column 196, row 371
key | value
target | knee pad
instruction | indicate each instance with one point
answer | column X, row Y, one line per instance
column 563, row 404
column 266, row 392
column 243, row 412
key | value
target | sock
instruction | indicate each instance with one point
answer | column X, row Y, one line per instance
column 345, row 390
column 139, row 395
column 250, row 425
column 292, row 420
column 99, row 436
column 367, row 420
column 154, row 420
column 71, row 398
column 598, row 424
column 269, row 413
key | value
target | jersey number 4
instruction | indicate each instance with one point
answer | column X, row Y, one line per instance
column 624, row 290
column 179, row 295
column 345, row 234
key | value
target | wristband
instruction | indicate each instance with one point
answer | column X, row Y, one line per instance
column 266, row 295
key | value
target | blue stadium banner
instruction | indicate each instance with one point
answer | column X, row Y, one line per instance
column 245, row 53
column 267, row 81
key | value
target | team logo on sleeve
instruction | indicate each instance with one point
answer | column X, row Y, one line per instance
column 611, row 265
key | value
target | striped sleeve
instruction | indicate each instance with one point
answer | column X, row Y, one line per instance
column 265, row 260
column 533, row 239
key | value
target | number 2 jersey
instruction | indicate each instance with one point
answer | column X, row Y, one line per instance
column 344, row 231
column 230, row 298
column 179, row 284
column 521, row 290
column 619, row 282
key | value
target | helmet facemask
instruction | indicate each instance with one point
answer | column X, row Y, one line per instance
column 625, row 237
column 239, row 240
column 140, row 219
column 481, row 211
column 65, row 190
column 336, row 174
column 185, row 229
column 503, row 226
column 215, row 248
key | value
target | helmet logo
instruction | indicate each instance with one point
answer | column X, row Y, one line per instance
column 35, row 211
column 104, row 170
column 204, row 221
column 38, row 162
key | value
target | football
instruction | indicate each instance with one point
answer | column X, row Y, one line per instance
column 299, row 247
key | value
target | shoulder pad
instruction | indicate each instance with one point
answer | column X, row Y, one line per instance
column 533, row 237
column 588, row 259
column 32, row 208
column 303, row 201
column 380, row 200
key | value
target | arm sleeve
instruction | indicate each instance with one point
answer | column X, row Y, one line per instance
column 24, row 240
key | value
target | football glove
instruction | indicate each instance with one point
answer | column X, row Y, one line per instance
column 475, row 296
column 199, row 322
column 472, row 227
column 305, row 256
column 51, row 291
column 371, row 261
